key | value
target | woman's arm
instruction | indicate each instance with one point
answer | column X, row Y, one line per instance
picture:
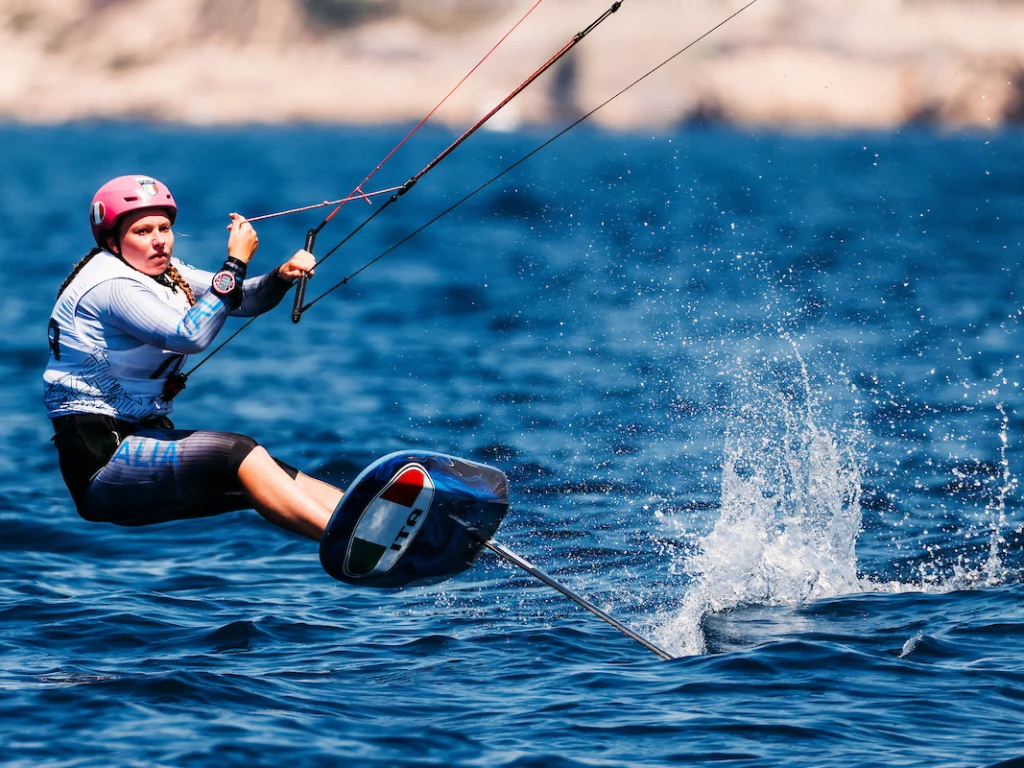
column 136, row 309
column 259, row 293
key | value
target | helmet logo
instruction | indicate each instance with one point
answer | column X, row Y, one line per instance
column 148, row 186
column 99, row 211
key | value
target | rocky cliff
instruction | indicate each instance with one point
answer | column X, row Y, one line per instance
column 820, row 64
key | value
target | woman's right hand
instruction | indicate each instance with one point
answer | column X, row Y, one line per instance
column 242, row 239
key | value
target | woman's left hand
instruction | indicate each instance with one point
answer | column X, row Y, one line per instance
column 302, row 261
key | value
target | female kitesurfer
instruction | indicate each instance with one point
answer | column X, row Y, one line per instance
column 124, row 321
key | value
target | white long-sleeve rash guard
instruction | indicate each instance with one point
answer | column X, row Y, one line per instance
column 117, row 334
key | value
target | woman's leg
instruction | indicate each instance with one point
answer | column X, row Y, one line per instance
column 157, row 476
column 326, row 494
column 303, row 505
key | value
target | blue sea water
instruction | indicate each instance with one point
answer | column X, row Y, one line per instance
column 759, row 396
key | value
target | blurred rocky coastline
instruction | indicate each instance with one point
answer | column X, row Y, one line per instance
column 804, row 64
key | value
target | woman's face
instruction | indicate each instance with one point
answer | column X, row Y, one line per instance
column 147, row 241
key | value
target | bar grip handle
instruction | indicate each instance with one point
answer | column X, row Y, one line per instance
column 300, row 288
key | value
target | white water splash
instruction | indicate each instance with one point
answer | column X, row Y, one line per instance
column 993, row 571
column 911, row 645
column 790, row 508
column 996, row 570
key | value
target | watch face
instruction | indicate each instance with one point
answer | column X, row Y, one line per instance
column 223, row 282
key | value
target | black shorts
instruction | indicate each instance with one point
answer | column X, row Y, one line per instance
column 139, row 473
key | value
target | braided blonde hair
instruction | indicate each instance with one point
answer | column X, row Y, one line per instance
column 171, row 277
column 177, row 281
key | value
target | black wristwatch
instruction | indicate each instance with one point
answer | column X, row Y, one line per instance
column 228, row 282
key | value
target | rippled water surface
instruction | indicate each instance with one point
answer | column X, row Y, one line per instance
column 759, row 397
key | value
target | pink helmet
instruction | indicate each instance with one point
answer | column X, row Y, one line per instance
column 123, row 195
